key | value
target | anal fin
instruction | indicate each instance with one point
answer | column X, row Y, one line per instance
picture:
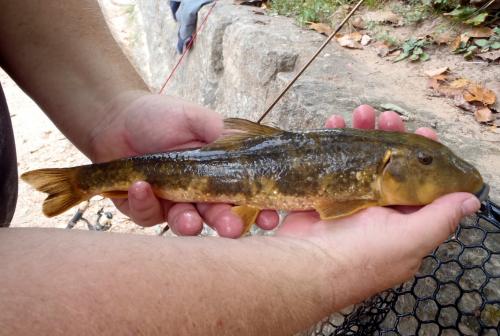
column 247, row 214
column 333, row 209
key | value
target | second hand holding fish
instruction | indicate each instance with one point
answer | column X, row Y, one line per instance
column 143, row 123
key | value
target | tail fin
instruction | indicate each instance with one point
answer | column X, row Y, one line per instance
column 59, row 183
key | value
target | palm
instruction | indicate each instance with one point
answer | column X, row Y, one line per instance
column 153, row 124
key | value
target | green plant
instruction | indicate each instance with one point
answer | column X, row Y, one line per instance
column 468, row 15
column 389, row 40
column 470, row 47
column 312, row 10
column 413, row 49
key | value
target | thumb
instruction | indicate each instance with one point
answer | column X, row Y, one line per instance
column 435, row 222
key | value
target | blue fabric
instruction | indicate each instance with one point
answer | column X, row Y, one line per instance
column 185, row 12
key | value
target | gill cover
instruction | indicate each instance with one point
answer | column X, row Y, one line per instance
column 423, row 170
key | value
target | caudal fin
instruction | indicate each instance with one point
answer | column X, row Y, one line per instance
column 59, row 183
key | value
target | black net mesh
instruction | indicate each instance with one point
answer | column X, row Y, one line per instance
column 456, row 291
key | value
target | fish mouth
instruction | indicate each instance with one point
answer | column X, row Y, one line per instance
column 483, row 193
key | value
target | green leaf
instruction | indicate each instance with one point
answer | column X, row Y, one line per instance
column 476, row 20
column 401, row 57
column 495, row 45
column 481, row 42
column 424, row 57
column 462, row 12
column 418, row 51
column 414, row 57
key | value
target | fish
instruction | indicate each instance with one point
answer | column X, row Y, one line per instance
column 336, row 172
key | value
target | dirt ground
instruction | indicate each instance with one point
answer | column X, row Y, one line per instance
column 40, row 145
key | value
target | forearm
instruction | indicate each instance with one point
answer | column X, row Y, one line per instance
column 63, row 55
column 84, row 282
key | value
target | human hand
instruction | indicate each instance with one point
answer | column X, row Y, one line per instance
column 139, row 123
column 379, row 247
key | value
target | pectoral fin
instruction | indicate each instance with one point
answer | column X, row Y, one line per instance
column 330, row 210
column 247, row 214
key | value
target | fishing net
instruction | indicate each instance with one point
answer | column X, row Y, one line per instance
column 455, row 292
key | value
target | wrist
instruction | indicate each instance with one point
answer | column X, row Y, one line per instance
column 110, row 125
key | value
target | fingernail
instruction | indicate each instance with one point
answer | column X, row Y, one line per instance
column 470, row 206
column 140, row 192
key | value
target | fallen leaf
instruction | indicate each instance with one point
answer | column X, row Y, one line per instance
column 459, row 83
column 483, row 115
column 459, row 101
column 443, row 38
column 476, row 92
column 490, row 56
column 436, row 72
column 350, row 41
column 356, row 36
column 365, row 40
column 321, row 28
column 382, row 49
column 460, row 41
column 480, row 32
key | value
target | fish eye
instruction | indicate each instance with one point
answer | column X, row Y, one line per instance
column 424, row 158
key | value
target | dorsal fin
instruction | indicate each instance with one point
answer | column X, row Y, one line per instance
column 249, row 128
column 239, row 130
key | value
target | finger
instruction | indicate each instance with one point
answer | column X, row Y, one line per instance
column 206, row 125
column 267, row 219
column 435, row 222
column 221, row 219
column 335, row 121
column 298, row 224
column 184, row 220
column 391, row 121
column 427, row 132
column 144, row 207
column 363, row 117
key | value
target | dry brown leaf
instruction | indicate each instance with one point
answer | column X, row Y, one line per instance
column 480, row 32
column 476, row 92
column 491, row 56
column 463, row 38
column 435, row 81
column 443, row 38
column 483, row 115
column 350, row 41
column 459, row 101
column 321, row 28
column 459, row 83
column 436, row 72
column 382, row 49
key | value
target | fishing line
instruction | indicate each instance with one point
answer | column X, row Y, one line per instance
column 188, row 47
column 320, row 49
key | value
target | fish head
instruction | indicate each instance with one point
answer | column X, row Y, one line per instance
column 421, row 170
